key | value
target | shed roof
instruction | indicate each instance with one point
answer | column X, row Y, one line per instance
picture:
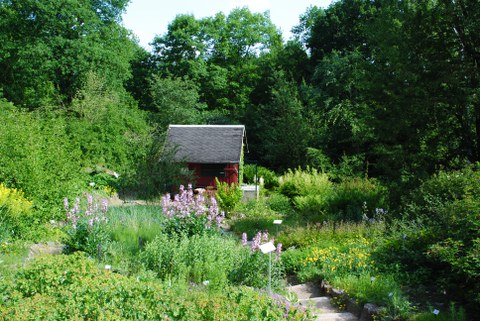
column 207, row 144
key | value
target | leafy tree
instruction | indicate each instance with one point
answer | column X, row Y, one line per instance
column 219, row 53
column 176, row 102
column 278, row 128
column 37, row 157
column 48, row 46
column 107, row 127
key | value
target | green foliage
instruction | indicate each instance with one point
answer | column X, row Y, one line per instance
column 279, row 203
column 48, row 48
column 176, row 102
column 73, row 287
column 132, row 226
column 439, row 243
column 280, row 125
column 15, row 212
column 452, row 314
column 228, row 196
column 269, row 177
column 218, row 53
column 86, row 230
column 157, row 173
column 309, row 190
column 300, row 182
column 195, row 259
column 353, row 198
column 38, row 157
column 108, row 128
column 255, row 216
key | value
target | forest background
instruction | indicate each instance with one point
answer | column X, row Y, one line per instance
column 386, row 89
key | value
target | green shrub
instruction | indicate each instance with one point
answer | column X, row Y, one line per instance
column 213, row 258
column 270, row 179
column 439, row 242
column 39, row 158
column 228, row 196
column 73, row 288
column 357, row 198
column 313, row 207
column 15, row 212
column 196, row 259
column 308, row 190
column 279, row 203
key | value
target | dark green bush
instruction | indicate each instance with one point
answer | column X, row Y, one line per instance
column 279, row 203
column 355, row 197
column 439, row 243
column 270, row 179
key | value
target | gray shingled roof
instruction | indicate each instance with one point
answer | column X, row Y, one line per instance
column 207, row 144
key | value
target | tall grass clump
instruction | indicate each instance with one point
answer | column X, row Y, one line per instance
column 133, row 226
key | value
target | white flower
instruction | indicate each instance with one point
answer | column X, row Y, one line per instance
column 436, row 312
column 108, row 267
column 92, row 184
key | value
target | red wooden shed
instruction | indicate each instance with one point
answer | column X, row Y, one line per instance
column 211, row 151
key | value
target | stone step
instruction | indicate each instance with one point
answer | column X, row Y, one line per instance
column 322, row 304
column 305, row 291
column 342, row 316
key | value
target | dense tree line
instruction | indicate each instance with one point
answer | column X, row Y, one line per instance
column 384, row 88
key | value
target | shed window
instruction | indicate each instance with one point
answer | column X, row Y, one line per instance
column 210, row 170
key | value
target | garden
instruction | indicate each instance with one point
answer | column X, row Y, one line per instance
column 188, row 256
column 365, row 127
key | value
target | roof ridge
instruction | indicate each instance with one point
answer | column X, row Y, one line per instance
column 210, row 126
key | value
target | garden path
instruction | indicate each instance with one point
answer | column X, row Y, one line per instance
column 310, row 296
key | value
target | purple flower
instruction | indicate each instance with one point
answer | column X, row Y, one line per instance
column 265, row 236
column 244, row 239
column 278, row 251
column 65, row 204
column 104, row 206
column 256, row 241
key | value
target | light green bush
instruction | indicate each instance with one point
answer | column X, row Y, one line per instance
column 39, row 158
column 309, row 190
column 228, row 196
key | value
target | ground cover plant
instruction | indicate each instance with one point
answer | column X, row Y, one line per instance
column 74, row 287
